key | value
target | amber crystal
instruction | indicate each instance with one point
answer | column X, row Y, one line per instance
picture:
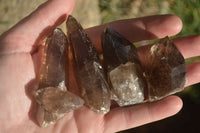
column 123, row 68
column 88, row 68
column 166, row 72
column 52, row 96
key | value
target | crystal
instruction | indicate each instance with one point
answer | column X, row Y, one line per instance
column 52, row 97
column 88, row 68
column 123, row 68
column 165, row 70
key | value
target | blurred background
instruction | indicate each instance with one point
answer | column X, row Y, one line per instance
column 94, row 12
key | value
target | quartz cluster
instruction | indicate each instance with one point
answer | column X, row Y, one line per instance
column 120, row 77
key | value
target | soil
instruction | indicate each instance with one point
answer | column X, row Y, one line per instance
column 12, row 11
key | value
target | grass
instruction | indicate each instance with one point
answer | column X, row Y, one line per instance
column 189, row 12
column 4, row 22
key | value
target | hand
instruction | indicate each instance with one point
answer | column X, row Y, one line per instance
column 20, row 59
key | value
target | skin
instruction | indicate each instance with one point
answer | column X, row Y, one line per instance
column 20, row 60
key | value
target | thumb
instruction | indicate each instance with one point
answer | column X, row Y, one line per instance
column 28, row 32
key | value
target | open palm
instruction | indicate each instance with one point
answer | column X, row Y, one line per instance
column 20, row 60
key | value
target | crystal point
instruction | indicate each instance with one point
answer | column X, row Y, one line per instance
column 166, row 72
column 123, row 68
column 53, row 99
column 53, row 63
column 88, row 69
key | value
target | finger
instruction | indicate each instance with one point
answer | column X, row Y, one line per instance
column 138, row 29
column 129, row 117
column 189, row 46
column 31, row 29
column 193, row 74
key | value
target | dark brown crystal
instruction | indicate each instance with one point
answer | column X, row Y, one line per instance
column 52, row 96
column 123, row 68
column 88, row 69
column 165, row 72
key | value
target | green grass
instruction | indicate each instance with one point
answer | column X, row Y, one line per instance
column 4, row 22
column 189, row 12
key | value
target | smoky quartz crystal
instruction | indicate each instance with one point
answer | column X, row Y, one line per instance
column 123, row 67
column 121, row 77
column 53, row 99
column 165, row 70
column 88, row 68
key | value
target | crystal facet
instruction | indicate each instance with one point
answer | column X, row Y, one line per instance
column 88, row 69
column 123, row 68
column 52, row 96
column 166, row 72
